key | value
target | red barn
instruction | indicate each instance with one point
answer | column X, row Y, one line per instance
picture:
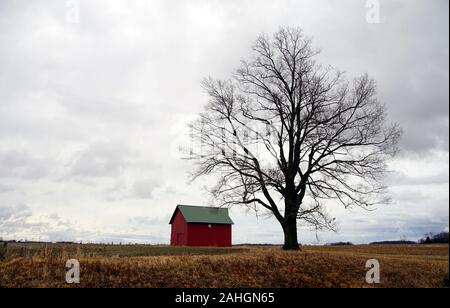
column 200, row 226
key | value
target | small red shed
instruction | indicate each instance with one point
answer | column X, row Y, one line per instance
column 200, row 226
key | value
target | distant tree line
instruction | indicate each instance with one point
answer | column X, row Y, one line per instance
column 401, row 242
column 430, row 238
column 341, row 244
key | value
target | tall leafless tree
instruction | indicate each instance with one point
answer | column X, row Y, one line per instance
column 287, row 134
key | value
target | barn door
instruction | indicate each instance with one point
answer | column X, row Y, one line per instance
column 180, row 239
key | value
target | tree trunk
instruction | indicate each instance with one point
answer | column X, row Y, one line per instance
column 290, row 235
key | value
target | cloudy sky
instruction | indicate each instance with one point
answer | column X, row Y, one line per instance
column 95, row 97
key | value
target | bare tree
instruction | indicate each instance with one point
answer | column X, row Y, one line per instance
column 287, row 134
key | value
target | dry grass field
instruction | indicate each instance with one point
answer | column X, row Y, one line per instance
column 43, row 265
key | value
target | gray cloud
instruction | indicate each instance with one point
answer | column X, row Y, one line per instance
column 104, row 159
column 5, row 188
column 13, row 212
column 144, row 220
column 144, row 188
column 21, row 164
column 394, row 227
column 402, row 179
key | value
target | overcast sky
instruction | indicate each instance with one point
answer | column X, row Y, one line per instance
column 95, row 97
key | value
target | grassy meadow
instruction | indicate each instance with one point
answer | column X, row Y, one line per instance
column 43, row 265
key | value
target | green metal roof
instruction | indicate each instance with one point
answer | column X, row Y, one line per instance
column 203, row 214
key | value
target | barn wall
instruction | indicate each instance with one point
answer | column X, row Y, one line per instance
column 201, row 235
column 179, row 231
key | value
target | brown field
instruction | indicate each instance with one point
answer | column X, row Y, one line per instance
column 43, row 265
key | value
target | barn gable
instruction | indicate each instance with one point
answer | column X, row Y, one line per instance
column 201, row 214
